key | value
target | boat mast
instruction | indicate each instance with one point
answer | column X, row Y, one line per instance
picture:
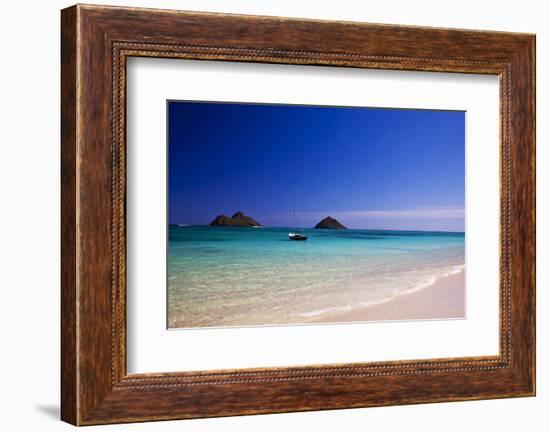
column 296, row 230
column 296, row 234
column 294, row 209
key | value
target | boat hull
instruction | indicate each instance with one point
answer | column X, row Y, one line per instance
column 297, row 237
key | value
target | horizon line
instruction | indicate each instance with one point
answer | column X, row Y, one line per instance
column 321, row 229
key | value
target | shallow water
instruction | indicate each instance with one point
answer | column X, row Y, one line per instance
column 256, row 276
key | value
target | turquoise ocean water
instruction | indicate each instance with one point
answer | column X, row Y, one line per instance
column 256, row 276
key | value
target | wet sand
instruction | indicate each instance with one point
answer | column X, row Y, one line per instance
column 444, row 299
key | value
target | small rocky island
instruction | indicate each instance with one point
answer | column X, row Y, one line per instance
column 238, row 220
column 329, row 223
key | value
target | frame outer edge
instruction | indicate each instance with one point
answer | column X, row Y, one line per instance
column 533, row 54
column 523, row 213
column 69, row 197
column 530, row 63
column 532, row 101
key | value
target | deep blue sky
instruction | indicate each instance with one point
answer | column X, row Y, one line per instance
column 369, row 168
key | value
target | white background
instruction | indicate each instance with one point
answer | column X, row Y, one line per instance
column 151, row 348
column 29, row 217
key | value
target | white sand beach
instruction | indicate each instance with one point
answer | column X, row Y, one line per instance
column 444, row 299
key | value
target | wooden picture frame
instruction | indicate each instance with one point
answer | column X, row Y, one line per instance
column 95, row 43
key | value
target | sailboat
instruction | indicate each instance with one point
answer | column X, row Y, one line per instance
column 296, row 235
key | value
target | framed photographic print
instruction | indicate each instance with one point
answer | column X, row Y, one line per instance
column 301, row 267
column 268, row 215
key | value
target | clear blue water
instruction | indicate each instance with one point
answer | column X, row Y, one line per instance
column 256, row 276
